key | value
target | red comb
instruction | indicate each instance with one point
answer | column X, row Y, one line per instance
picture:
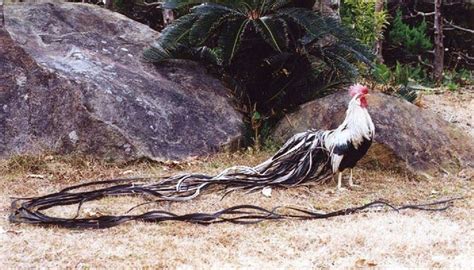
column 358, row 89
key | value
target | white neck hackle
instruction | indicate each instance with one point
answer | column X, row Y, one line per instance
column 358, row 121
column 356, row 126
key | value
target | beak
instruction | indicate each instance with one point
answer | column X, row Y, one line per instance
column 367, row 97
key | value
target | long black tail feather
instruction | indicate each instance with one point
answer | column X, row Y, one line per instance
column 302, row 159
column 240, row 214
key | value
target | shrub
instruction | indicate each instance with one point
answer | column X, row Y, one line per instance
column 413, row 39
column 453, row 79
column 399, row 80
column 360, row 15
column 275, row 53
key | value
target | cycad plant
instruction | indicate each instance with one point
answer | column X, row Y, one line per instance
column 278, row 52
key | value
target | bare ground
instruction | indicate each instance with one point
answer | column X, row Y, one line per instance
column 455, row 107
column 386, row 239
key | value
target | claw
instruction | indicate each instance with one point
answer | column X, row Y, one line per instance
column 351, row 182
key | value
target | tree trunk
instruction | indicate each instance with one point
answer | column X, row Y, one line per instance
column 109, row 4
column 438, row 43
column 2, row 18
column 168, row 16
column 379, row 6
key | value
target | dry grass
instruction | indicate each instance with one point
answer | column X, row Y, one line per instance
column 407, row 239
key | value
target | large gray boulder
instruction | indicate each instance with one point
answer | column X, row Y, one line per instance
column 406, row 136
column 72, row 80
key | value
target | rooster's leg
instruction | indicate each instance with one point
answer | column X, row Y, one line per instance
column 351, row 183
column 339, row 180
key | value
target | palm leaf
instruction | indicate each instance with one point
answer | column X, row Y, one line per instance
column 307, row 51
column 277, row 4
column 172, row 36
column 207, row 24
column 339, row 63
column 202, row 54
column 230, row 38
column 211, row 7
column 274, row 31
column 309, row 21
column 157, row 54
column 175, row 4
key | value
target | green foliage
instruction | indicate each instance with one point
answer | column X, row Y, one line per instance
column 413, row 39
column 407, row 93
column 367, row 24
column 382, row 73
column 274, row 54
column 458, row 78
column 451, row 86
column 400, row 79
column 453, row 79
column 401, row 74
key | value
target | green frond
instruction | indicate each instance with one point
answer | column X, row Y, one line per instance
column 175, row 4
column 342, row 40
column 157, row 54
column 338, row 61
column 172, row 36
column 277, row 61
column 210, row 55
column 211, row 7
column 229, row 40
column 274, row 31
column 359, row 53
column 278, row 4
column 203, row 54
column 278, row 53
column 207, row 24
column 308, row 20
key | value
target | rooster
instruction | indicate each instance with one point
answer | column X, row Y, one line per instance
column 320, row 154
column 348, row 143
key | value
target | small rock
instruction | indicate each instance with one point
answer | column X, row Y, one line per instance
column 73, row 137
column 39, row 176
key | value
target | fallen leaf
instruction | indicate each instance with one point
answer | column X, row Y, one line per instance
column 40, row 176
column 267, row 192
column 371, row 263
column 126, row 172
column 92, row 214
column 360, row 262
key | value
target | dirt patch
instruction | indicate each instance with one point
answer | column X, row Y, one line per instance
column 387, row 239
column 455, row 107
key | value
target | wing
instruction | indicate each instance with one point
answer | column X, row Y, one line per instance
column 339, row 143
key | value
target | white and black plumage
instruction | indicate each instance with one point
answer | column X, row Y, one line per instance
column 314, row 155
column 348, row 143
